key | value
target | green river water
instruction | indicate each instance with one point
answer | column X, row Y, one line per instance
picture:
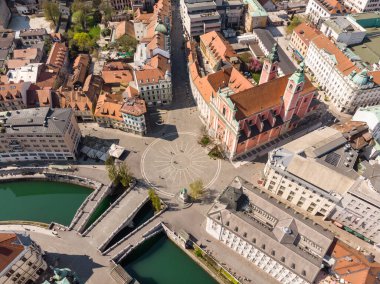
column 160, row 261
column 41, row 201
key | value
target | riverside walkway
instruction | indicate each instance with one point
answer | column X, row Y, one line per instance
column 115, row 218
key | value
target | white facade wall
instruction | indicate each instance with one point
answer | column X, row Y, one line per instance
column 315, row 11
column 253, row 254
column 28, row 265
column 298, row 192
column 344, row 94
column 363, row 5
column 349, row 38
column 361, row 216
column 202, row 105
column 135, row 123
column 156, row 93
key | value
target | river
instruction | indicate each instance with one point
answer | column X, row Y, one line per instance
column 160, row 261
column 41, row 201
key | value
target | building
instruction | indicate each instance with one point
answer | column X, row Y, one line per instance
column 255, row 15
column 117, row 74
column 363, row 6
column 351, row 266
column 107, row 111
column 5, row 15
column 34, row 55
column 231, row 13
column 30, row 37
column 343, row 29
column 317, row 9
column 300, row 40
column 242, row 121
column 133, row 112
column 7, row 46
column 347, row 83
column 21, row 259
column 26, row 73
column 371, row 116
column 58, row 56
column 265, row 42
column 13, row 96
column 217, row 51
column 39, row 134
column 153, row 81
column 200, row 17
column 273, row 237
column 80, row 68
column 315, row 173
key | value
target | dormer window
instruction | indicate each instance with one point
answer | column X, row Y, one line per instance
column 290, row 86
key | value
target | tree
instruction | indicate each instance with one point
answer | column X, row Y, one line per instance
column 113, row 174
column 196, row 189
column 82, row 41
column 124, row 175
column 255, row 65
column 155, row 200
column 126, row 43
column 51, row 11
column 107, row 10
column 293, row 24
column 109, row 161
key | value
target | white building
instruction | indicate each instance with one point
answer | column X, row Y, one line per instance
column 22, row 261
column 317, row 9
column 343, row 29
column 315, row 173
column 133, row 112
column 371, row 116
column 27, row 73
column 363, row 5
column 268, row 234
column 39, row 134
column 348, row 85
column 199, row 17
column 153, row 81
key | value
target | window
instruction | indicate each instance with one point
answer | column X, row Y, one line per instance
column 254, row 240
column 283, row 259
column 273, row 253
column 236, row 229
column 263, row 246
column 293, row 266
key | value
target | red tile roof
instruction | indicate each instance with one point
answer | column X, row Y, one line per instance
column 134, row 106
column 10, row 248
column 57, row 55
column 352, row 266
column 264, row 96
column 306, row 33
column 219, row 47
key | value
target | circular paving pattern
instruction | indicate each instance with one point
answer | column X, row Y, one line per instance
column 174, row 161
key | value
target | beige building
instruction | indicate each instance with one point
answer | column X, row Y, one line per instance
column 300, row 40
column 21, row 259
column 13, row 96
column 38, row 134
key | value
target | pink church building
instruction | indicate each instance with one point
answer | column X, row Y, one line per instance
column 242, row 121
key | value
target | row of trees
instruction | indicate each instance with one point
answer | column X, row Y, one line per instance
column 156, row 201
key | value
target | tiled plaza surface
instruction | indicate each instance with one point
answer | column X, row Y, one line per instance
column 174, row 161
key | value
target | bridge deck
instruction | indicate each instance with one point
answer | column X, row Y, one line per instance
column 85, row 213
column 112, row 223
column 135, row 238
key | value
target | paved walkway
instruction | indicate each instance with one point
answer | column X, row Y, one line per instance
column 119, row 215
column 70, row 250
